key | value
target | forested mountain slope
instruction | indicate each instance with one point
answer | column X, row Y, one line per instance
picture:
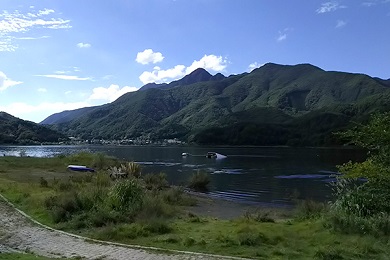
column 281, row 99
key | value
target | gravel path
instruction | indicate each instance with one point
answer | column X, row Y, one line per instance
column 18, row 233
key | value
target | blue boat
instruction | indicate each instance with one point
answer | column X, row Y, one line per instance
column 80, row 168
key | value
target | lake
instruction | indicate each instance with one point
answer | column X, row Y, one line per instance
column 263, row 175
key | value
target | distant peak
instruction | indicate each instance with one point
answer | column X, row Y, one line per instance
column 197, row 75
column 199, row 71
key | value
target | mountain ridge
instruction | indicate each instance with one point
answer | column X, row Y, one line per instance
column 200, row 101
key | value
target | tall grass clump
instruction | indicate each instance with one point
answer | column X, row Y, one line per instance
column 126, row 196
column 199, row 181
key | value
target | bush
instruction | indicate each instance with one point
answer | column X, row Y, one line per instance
column 126, row 196
column 155, row 207
column 155, row 181
column 249, row 237
column 307, row 209
column 199, row 181
column 157, row 226
column 341, row 221
column 43, row 183
column 259, row 216
column 176, row 196
column 63, row 206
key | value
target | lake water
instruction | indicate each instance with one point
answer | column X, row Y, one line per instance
column 264, row 175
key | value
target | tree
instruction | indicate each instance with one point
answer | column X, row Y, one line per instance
column 373, row 196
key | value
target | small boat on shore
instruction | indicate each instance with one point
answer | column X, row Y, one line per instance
column 80, row 168
column 211, row 155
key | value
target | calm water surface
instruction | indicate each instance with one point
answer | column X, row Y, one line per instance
column 265, row 175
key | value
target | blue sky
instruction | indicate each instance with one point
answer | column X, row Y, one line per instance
column 58, row 55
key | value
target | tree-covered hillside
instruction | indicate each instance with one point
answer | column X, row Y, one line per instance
column 16, row 131
column 274, row 104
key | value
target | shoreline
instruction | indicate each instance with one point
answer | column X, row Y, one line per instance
column 225, row 209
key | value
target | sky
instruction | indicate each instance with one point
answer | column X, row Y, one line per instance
column 58, row 55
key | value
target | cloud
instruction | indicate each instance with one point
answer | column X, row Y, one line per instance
column 83, row 45
column 31, row 38
column 40, row 111
column 329, row 7
column 374, row 2
column 42, row 90
column 6, row 82
column 208, row 62
column 159, row 76
column 111, row 93
column 253, row 66
column 12, row 23
column 64, row 77
column 148, row 56
column 341, row 23
column 283, row 35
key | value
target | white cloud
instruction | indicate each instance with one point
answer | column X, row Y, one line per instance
column 64, row 77
column 5, row 82
column 149, row 56
column 341, row 23
column 375, row 2
column 83, row 45
column 329, row 7
column 283, row 35
column 12, row 23
column 158, row 75
column 111, row 93
column 208, row 62
column 40, row 111
column 32, row 38
column 42, row 90
column 253, row 66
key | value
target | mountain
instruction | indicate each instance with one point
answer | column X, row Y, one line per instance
column 198, row 75
column 299, row 104
column 17, row 131
column 65, row 116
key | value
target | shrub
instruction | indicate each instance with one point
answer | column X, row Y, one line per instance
column 176, row 196
column 62, row 206
column 100, row 161
column 344, row 222
column 132, row 169
column 307, row 209
column 126, row 196
column 155, row 207
column 189, row 241
column 259, row 216
column 43, row 183
column 157, row 226
column 199, row 181
column 249, row 237
column 155, row 181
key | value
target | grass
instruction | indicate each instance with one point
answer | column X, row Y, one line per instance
column 22, row 256
column 92, row 206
